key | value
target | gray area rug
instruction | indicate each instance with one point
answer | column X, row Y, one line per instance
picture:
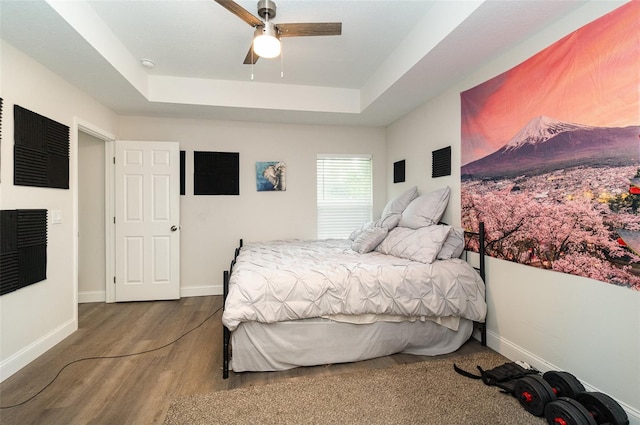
column 429, row 392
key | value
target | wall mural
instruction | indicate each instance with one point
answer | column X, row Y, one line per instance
column 551, row 154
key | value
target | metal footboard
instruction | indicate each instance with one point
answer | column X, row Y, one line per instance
column 226, row 333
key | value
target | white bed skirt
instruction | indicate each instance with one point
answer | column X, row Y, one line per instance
column 285, row 345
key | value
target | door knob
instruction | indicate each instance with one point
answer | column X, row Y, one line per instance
column 174, row 228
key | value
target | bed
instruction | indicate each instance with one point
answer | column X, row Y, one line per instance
column 398, row 284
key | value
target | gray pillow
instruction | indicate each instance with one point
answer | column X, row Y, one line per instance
column 426, row 209
column 395, row 206
column 421, row 244
column 388, row 223
column 360, row 229
column 369, row 239
column 453, row 245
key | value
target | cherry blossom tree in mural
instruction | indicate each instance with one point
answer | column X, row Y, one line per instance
column 574, row 235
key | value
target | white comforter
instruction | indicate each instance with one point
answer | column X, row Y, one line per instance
column 288, row 280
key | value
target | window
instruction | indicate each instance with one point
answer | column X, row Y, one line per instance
column 345, row 198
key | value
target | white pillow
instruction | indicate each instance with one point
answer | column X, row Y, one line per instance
column 426, row 209
column 399, row 203
column 367, row 240
column 453, row 245
column 421, row 244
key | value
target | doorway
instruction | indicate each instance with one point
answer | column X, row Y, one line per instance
column 91, row 219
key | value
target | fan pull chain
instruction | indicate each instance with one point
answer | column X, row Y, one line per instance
column 281, row 60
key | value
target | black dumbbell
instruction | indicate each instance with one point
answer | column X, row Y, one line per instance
column 588, row 408
column 535, row 392
column 563, row 384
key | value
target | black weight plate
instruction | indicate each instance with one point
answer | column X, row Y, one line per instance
column 533, row 393
column 566, row 384
column 605, row 409
column 567, row 411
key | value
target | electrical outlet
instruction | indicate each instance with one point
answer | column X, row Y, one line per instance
column 56, row 216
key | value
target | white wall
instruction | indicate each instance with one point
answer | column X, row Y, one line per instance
column 552, row 320
column 91, row 219
column 35, row 318
column 213, row 225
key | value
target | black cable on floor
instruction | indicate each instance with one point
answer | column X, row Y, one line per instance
column 110, row 357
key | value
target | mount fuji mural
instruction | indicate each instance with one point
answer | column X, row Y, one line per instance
column 545, row 145
column 550, row 155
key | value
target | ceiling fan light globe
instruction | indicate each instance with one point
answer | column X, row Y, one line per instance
column 266, row 46
column 265, row 42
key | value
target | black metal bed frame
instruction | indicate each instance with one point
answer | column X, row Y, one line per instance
column 481, row 326
column 226, row 334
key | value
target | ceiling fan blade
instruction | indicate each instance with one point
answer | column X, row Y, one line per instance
column 310, row 29
column 240, row 12
column 251, row 57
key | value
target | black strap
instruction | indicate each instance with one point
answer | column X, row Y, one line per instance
column 465, row 373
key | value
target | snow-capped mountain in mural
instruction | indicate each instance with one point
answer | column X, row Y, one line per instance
column 539, row 130
column 545, row 144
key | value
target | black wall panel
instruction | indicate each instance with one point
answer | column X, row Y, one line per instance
column 23, row 248
column 398, row 171
column 441, row 162
column 216, row 173
column 183, row 164
column 41, row 151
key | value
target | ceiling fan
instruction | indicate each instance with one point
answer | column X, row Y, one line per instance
column 266, row 41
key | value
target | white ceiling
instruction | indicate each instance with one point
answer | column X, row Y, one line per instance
column 392, row 56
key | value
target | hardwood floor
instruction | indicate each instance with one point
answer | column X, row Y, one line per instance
column 138, row 389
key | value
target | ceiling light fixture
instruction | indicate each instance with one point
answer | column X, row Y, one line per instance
column 266, row 43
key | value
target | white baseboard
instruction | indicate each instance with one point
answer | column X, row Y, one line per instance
column 189, row 291
column 92, row 297
column 28, row 354
column 514, row 352
column 200, row 291
column 185, row 292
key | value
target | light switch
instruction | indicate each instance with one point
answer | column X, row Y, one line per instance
column 56, row 216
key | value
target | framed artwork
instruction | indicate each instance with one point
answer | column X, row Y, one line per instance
column 271, row 176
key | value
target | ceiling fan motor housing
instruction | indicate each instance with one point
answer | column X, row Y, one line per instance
column 268, row 29
column 267, row 9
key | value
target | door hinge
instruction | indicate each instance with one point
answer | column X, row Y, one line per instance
column 114, row 220
column 114, row 160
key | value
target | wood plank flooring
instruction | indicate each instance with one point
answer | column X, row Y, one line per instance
column 138, row 389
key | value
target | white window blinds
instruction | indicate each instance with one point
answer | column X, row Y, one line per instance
column 344, row 194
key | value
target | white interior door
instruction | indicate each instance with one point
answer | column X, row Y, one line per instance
column 147, row 220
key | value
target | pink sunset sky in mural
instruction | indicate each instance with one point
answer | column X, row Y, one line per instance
column 547, row 84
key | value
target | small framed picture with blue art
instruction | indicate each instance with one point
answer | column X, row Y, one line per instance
column 271, row 176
